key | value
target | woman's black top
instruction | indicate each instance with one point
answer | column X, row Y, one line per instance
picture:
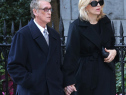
column 96, row 27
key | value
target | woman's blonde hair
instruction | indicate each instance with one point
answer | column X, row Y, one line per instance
column 83, row 14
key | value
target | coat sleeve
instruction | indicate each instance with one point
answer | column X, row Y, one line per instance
column 113, row 47
column 71, row 58
column 112, row 44
column 17, row 61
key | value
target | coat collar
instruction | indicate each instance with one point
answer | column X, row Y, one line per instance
column 104, row 20
column 83, row 23
column 52, row 41
column 91, row 34
column 106, row 30
column 40, row 40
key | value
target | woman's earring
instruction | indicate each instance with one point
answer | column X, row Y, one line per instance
column 87, row 11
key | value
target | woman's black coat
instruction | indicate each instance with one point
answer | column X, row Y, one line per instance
column 83, row 62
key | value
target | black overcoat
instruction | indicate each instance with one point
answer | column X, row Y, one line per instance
column 33, row 65
column 83, row 62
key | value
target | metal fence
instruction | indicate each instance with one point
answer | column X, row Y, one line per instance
column 6, row 84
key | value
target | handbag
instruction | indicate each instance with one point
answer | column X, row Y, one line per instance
column 104, row 53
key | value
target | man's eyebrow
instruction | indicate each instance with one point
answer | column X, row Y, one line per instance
column 47, row 7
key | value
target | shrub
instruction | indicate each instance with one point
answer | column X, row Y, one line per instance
column 14, row 10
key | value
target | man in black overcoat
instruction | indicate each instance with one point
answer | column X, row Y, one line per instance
column 34, row 60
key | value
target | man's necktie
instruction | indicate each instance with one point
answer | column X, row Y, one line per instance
column 45, row 34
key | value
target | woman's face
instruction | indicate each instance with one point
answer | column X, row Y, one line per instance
column 94, row 7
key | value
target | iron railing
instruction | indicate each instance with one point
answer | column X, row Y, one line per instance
column 5, row 46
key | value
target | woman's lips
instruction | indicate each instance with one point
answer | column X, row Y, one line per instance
column 98, row 9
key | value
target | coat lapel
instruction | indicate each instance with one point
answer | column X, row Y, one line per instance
column 52, row 42
column 38, row 37
column 105, row 31
column 90, row 33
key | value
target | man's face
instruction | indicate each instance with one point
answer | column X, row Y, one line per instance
column 43, row 13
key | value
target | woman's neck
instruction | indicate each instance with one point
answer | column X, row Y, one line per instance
column 93, row 19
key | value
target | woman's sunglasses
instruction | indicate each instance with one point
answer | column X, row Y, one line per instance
column 95, row 3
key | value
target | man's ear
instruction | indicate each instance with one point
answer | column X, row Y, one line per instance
column 35, row 12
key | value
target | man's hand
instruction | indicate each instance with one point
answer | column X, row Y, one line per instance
column 69, row 89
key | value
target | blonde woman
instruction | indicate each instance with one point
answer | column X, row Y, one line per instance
column 86, row 70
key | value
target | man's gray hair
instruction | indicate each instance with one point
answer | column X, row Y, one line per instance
column 35, row 5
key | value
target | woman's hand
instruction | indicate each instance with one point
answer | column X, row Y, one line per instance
column 69, row 89
column 112, row 54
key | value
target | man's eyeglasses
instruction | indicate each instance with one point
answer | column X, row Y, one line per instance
column 46, row 9
column 95, row 3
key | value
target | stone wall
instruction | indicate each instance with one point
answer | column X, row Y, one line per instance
column 114, row 9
